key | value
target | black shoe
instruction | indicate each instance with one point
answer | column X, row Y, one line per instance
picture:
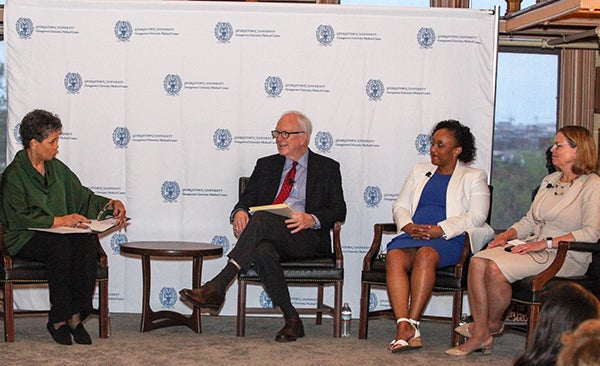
column 292, row 330
column 80, row 335
column 60, row 335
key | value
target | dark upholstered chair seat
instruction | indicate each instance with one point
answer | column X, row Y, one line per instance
column 530, row 291
column 445, row 278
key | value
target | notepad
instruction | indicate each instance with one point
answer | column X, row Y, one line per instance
column 282, row 209
column 93, row 227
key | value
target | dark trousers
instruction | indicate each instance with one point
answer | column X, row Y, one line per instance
column 71, row 262
column 266, row 242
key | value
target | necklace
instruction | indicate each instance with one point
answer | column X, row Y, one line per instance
column 561, row 187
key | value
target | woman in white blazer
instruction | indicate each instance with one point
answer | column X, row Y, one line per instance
column 437, row 204
column 566, row 208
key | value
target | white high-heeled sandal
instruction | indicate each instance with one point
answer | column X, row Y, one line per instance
column 413, row 342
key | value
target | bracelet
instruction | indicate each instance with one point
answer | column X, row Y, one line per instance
column 549, row 242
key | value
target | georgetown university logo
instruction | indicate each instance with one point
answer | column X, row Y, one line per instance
column 373, row 302
column 123, row 30
column 323, row 141
column 325, row 34
column 222, row 139
column 170, row 191
column 374, row 89
column 172, row 84
column 73, row 82
column 115, row 242
column 223, row 32
column 426, row 37
column 372, row 196
column 121, row 137
column 167, row 297
column 265, row 300
column 422, row 143
column 222, row 241
column 17, row 134
column 273, row 86
column 24, row 28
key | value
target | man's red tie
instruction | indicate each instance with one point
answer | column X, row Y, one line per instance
column 287, row 185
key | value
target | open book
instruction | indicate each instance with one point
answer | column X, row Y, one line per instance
column 95, row 227
column 282, row 209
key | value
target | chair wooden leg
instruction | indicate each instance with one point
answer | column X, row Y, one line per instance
column 532, row 320
column 363, row 321
column 103, row 313
column 241, row 310
column 457, row 305
column 319, row 317
column 9, row 315
column 337, row 310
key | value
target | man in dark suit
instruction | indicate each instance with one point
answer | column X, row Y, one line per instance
column 312, row 185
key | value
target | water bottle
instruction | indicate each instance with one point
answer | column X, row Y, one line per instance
column 346, row 319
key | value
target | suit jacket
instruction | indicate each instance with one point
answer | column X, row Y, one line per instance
column 467, row 202
column 324, row 194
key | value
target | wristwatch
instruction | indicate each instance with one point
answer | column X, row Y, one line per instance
column 549, row 242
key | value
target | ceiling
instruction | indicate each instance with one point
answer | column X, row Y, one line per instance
column 574, row 23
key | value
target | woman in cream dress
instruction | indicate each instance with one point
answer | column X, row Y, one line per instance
column 566, row 208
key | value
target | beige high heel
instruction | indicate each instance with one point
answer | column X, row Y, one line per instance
column 414, row 342
column 485, row 348
column 464, row 331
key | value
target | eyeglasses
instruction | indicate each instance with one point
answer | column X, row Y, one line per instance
column 103, row 214
column 283, row 134
column 558, row 146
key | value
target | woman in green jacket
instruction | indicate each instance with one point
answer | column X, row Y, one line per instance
column 40, row 191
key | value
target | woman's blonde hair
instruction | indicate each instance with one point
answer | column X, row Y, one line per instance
column 586, row 161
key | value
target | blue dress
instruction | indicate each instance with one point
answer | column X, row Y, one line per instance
column 431, row 210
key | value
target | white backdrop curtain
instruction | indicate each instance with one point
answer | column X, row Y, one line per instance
column 165, row 104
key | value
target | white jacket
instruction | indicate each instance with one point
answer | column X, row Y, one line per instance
column 467, row 202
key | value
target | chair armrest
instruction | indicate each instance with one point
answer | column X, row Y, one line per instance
column 337, row 245
column 464, row 256
column 6, row 258
column 378, row 231
column 543, row 277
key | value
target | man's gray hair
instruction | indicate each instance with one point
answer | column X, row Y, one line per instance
column 304, row 122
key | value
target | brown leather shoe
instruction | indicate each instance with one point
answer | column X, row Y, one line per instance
column 205, row 296
column 292, row 330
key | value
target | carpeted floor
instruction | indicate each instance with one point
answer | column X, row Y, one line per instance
column 218, row 345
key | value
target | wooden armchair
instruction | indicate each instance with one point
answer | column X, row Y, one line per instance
column 17, row 271
column 529, row 291
column 309, row 272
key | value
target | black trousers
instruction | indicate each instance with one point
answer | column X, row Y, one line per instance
column 266, row 242
column 71, row 262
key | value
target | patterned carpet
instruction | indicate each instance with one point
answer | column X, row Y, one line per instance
column 218, row 345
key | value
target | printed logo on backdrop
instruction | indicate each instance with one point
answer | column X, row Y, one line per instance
column 73, row 82
column 121, row 137
column 222, row 241
column 222, row 139
column 423, row 143
column 172, row 84
column 323, row 141
column 170, row 191
column 372, row 196
column 167, row 297
column 426, row 37
column 374, row 89
column 17, row 134
column 223, row 32
column 25, row 28
column 325, row 34
column 123, row 30
column 273, row 86
column 264, row 300
column 116, row 240
column 373, row 301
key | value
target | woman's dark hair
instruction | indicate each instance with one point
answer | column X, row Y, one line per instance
column 38, row 124
column 464, row 138
column 564, row 307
